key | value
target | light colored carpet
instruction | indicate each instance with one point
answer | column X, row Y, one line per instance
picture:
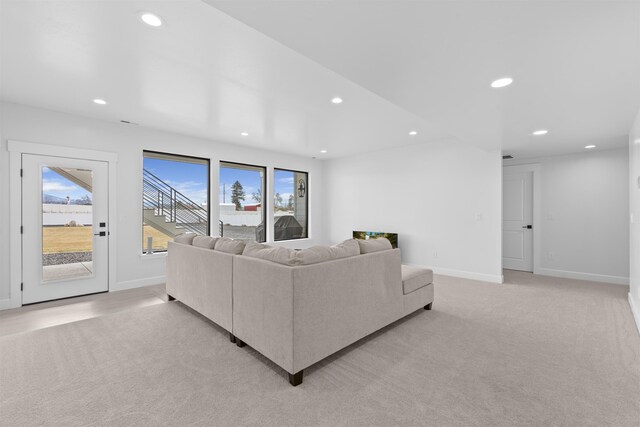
column 536, row 351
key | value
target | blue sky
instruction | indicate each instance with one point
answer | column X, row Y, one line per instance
column 284, row 184
column 188, row 178
column 191, row 180
column 59, row 186
column 250, row 181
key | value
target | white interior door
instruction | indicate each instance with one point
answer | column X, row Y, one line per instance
column 517, row 220
column 65, row 238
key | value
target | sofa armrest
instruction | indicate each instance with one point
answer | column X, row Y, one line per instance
column 201, row 279
column 263, row 308
column 339, row 302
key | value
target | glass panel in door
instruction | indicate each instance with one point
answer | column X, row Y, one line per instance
column 67, row 223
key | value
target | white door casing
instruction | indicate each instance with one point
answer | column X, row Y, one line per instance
column 517, row 220
column 39, row 284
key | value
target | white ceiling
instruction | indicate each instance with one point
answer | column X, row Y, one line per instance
column 398, row 65
column 203, row 74
column 576, row 64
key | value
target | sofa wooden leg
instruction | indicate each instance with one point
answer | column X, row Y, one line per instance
column 232, row 338
column 296, row 379
column 239, row 342
column 170, row 298
column 428, row 306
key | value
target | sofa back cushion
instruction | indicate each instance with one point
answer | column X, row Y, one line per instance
column 316, row 254
column 206, row 242
column 313, row 255
column 270, row 253
column 374, row 245
column 230, row 246
column 185, row 238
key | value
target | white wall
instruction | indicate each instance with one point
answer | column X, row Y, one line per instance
column 47, row 127
column 584, row 215
column 443, row 199
column 634, row 210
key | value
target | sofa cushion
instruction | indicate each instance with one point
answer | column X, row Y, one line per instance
column 316, row 254
column 414, row 278
column 206, row 242
column 230, row 246
column 270, row 253
column 185, row 238
column 312, row 255
column 374, row 245
column 349, row 247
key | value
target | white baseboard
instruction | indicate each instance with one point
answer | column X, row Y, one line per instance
column 635, row 310
column 493, row 278
column 6, row 304
column 139, row 283
column 617, row 280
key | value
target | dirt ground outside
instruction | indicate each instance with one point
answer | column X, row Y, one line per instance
column 79, row 239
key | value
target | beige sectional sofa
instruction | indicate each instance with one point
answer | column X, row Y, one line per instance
column 201, row 277
column 298, row 307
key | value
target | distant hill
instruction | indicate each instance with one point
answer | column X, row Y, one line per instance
column 54, row 200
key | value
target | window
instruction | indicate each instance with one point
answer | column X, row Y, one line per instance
column 242, row 207
column 290, row 205
column 175, row 198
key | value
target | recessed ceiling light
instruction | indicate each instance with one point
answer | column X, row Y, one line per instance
column 323, row 151
column 540, row 132
column 413, row 133
column 151, row 19
column 337, row 100
column 589, row 146
column 504, row 81
column 99, row 101
column 244, row 133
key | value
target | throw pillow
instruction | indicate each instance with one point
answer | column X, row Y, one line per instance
column 374, row 245
column 185, row 238
column 230, row 246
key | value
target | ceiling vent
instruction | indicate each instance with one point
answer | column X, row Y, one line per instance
column 507, row 157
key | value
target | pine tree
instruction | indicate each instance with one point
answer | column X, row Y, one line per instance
column 237, row 194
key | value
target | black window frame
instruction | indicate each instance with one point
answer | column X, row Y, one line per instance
column 306, row 197
column 171, row 156
column 264, row 204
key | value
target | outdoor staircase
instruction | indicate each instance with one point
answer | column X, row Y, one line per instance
column 169, row 211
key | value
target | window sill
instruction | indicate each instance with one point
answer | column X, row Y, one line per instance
column 157, row 255
column 293, row 243
column 301, row 239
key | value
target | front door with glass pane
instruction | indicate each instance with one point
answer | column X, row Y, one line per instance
column 65, row 237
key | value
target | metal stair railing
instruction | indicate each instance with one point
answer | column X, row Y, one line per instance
column 174, row 206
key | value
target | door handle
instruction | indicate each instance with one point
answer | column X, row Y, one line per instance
column 527, row 226
column 101, row 234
